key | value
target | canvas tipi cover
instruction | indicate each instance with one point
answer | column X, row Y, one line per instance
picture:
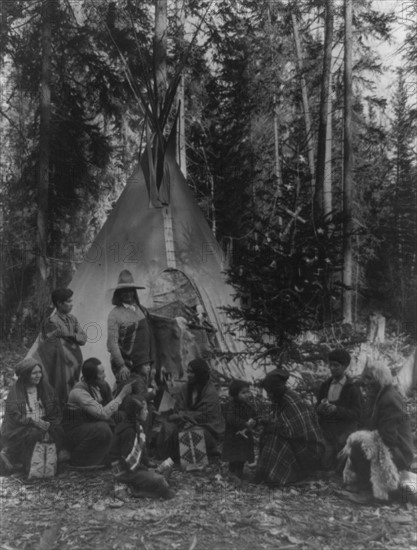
column 134, row 237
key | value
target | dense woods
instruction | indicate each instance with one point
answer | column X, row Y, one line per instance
column 297, row 196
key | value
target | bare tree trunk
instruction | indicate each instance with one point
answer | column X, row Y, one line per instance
column 160, row 47
column 181, row 150
column 327, row 184
column 3, row 265
column 278, row 172
column 376, row 328
column 348, row 170
column 44, row 151
column 325, row 90
column 306, row 106
column 160, row 60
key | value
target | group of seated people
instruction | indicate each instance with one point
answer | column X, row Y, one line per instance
column 97, row 428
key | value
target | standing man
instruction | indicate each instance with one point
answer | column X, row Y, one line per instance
column 339, row 406
column 129, row 334
column 59, row 349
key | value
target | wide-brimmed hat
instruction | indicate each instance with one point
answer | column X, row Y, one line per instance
column 125, row 280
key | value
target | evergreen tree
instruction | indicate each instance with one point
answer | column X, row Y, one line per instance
column 93, row 112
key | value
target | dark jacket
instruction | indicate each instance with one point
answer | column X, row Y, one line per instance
column 15, row 418
column 206, row 412
column 237, row 447
column 389, row 416
column 338, row 425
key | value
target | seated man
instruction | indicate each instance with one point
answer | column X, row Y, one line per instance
column 292, row 443
column 197, row 404
column 339, row 405
column 378, row 453
column 89, row 416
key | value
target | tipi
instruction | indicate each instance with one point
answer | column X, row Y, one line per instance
column 170, row 250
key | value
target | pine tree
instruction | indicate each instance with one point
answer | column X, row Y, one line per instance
column 404, row 201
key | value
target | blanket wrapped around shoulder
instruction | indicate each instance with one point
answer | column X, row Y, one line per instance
column 385, row 477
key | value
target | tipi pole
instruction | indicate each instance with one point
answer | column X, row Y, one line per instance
column 169, row 237
column 160, row 53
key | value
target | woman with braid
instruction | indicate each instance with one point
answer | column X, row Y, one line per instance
column 32, row 410
column 196, row 405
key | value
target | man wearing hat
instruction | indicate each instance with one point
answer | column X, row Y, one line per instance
column 292, row 443
column 129, row 338
column 339, row 406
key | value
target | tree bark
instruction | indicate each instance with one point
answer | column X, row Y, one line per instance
column 278, row 172
column 324, row 98
column 376, row 328
column 160, row 60
column 3, row 264
column 327, row 183
column 348, row 170
column 160, row 48
column 306, row 106
column 44, row 148
column 181, row 148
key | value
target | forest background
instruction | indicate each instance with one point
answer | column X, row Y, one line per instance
column 305, row 169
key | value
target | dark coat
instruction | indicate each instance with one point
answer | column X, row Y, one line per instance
column 389, row 416
column 337, row 426
column 206, row 412
column 15, row 418
column 19, row 432
column 237, row 448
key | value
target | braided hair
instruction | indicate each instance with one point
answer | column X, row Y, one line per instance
column 24, row 379
column 89, row 372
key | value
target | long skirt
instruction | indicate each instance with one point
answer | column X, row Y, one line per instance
column 21, row 444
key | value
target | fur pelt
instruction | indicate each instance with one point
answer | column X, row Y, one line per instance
column 384, row 473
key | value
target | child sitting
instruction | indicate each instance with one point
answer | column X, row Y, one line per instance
column 129, row 456
column 238, row 446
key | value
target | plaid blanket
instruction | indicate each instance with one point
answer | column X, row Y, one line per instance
column 292, row 442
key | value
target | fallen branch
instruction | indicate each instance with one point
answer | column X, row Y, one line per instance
column 164, row 532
